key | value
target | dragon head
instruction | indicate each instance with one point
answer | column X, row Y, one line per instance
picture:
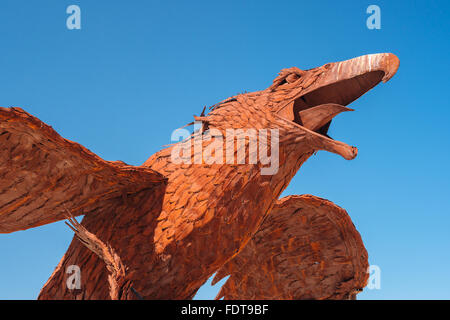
column 304, row 102
column 311, row 98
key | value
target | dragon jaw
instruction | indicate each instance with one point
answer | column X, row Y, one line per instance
column 317, row 95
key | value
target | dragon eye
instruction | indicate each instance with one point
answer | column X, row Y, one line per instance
column 292, row 77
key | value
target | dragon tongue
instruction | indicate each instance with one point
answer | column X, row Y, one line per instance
column 316, row 117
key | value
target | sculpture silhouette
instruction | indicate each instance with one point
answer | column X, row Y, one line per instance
column 172, row 225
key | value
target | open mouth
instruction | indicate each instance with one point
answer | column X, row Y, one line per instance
column 338, row 85
column 315, row 110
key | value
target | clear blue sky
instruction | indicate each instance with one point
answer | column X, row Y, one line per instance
column 139, row 69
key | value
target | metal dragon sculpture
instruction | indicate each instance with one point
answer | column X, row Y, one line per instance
column 160, row 230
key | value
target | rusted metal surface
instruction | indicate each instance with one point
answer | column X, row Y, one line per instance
column 175, row 224
column 307, row 248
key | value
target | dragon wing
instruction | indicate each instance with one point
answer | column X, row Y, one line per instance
column 42, row 175
column 307, row 248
